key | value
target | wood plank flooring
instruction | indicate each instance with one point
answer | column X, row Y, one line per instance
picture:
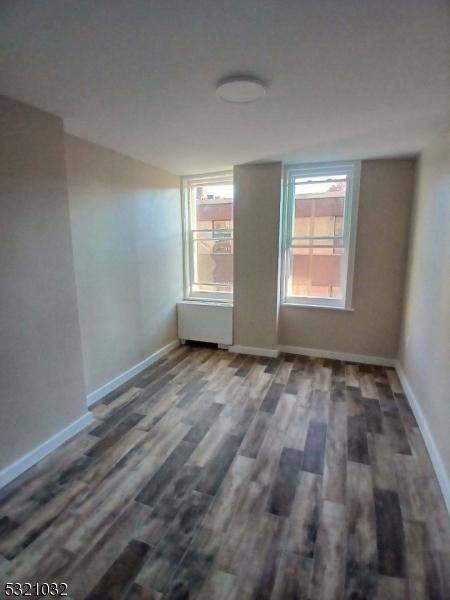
column 219, row 476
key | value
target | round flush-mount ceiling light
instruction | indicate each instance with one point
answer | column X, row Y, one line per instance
column 241, row 89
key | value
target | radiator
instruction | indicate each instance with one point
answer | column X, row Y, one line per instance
column 205, row 322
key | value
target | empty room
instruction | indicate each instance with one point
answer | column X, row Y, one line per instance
column 225, row 299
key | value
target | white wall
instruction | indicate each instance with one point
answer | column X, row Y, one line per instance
column 424, row 353
column 42, row 388
column 126, row 230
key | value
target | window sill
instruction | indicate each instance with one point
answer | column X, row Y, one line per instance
column 204, row 302
column 320, row 306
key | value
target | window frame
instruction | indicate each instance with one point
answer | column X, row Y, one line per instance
column 188, row 181
column 352, row 169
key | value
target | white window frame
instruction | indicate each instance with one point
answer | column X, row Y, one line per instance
column 352, row 169
column 221, row 178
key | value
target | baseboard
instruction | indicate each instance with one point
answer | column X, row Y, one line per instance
column 31, row 458
column 358, row 358
column 270, row 352
column 436, row 460
column 110, row 386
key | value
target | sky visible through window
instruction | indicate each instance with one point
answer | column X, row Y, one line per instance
column 308, row 185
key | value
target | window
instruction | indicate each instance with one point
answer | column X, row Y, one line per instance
column 208, row 236
column 320, row 206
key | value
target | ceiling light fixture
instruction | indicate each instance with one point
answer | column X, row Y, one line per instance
column 240, row 89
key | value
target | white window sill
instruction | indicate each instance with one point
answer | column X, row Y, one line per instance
column 204, row 302
column 321, row 306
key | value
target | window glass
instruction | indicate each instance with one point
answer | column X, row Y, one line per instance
column 210, row 238
column 317, row 239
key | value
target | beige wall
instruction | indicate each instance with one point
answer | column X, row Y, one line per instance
column 126, row 230
column 257, row 190
column 425, row 342
column 42, row 388
column 372, row 329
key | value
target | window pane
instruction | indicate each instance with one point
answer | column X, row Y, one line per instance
column 316, row 270
column 211, row 204
column 318, row 233
column 211, row 208
column 316, row 265
column 319, row 206
column 213, row 265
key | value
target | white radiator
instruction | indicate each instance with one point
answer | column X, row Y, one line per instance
column 205, row 322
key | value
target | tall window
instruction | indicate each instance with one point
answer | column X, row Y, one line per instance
column 319, row 231
column 208, row 236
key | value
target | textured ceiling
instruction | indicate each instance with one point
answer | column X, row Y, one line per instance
column 346, row 78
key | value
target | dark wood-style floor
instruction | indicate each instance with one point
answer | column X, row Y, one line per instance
column 214, row 475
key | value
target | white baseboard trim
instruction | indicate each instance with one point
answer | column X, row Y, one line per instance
column 110, row 386
column 316, row 352
column 358, row 358
column 34, row 456
column 270, row 352
column 438, row 463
